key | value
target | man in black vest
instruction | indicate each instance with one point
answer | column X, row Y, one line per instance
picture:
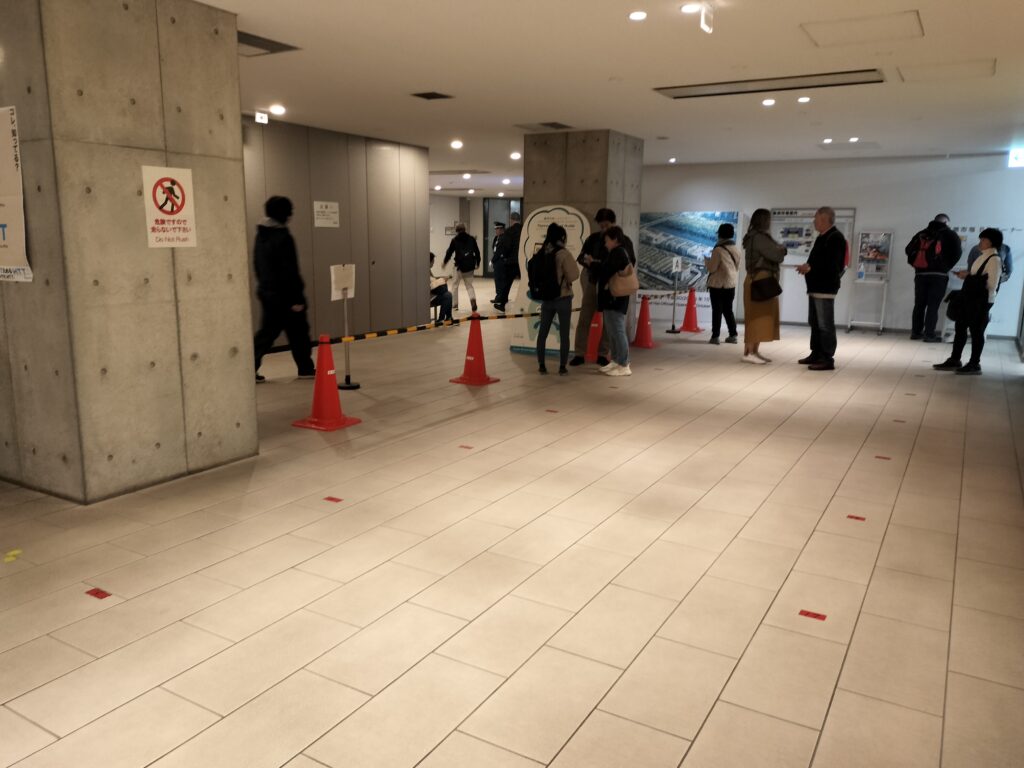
column 823, row 273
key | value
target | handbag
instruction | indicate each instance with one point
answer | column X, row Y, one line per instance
column 624, row 282
column 954, row 306
column 765, row 288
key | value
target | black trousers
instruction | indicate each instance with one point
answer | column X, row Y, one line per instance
column 929, row 291
column 974, row 321
column 277, row 318
column 562, row 308
column 503, row 274
column 821, row 316
column 721, row 306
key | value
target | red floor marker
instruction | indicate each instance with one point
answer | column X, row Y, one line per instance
column 98, row 593
column 858, row 518
column 333, row 499
column 466, row 447
column 551, row 410
column 813, row 615
column 884, row 458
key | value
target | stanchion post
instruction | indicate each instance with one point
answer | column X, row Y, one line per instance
column 675, row 300
column 348, row 383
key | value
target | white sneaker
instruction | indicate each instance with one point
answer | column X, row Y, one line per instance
column 753, row 359
column 610, row 367
column 622, row 370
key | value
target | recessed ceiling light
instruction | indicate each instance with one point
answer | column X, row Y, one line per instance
column 516, row 156
column 506, row 182
column 501, row 194
column 277, row 109
column 472, row 191
column 437, row 188
column 827, row 141
column 638, row 15
column 769, row 102
column 671, row 159
column 456, row 144
column 691, row 8
column 467, row 176
column 804, row 99
column 854, row 139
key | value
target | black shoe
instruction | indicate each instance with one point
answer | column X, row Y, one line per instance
column 971, row 369
column 714, row 340
column 307, row 374
column 933, row 339
column 947, row 365
column 822, row 366
column 602, row 362
column 732, row 340
column 542, row 368
column 916, row 336
column 577, row 361
column 563, row 371
column 809, row 360
column 500, row 308
column 260, row 379
column 472, row 303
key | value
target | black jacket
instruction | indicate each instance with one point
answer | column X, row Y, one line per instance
column 277, row 266
column 463, row 243
column 944, row 254
column 594, row 246
column 501, row 251
column 827, row 262
column 602, row 271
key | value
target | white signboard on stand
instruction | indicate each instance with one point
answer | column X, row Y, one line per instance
column 343, row 281
column 13, row 253
column 326, row 214
column 168, row 196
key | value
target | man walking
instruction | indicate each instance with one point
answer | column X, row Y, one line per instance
column 932, row 253
column 501, row 259
column 280, row 288
column 466, row 253
column 823, row 273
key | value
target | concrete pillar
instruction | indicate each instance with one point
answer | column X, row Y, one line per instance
column 123, row 366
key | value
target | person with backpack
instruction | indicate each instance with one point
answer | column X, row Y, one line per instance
column 981, row 283
column 467, row 260
column 932, row 253
column 552, row 271
column 723, row 265
column 618, row 263
column 1005, row 257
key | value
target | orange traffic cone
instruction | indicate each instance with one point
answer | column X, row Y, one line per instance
column 594, row 340
column 644, row 336
column 327, row 415
column 690, row 318
column 475, row 372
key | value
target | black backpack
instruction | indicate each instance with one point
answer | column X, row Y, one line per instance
column 542, row 275
column 465, row 258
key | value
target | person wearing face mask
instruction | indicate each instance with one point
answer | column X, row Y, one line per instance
column 981, row 283
column 552, row 272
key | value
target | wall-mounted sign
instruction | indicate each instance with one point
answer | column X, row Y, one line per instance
column 170, row 207
column 13, row 254
column 794, row 228
column 326, row 214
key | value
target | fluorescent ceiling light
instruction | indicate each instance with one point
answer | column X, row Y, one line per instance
column 456, row 144
column 804, row 99
column 692, row 8
column 516, row 156
column 437, row 187
column 672, row 159
column 827, row 141
column 773, row 84
column 467, row 176
column 472, row 191
column 1016, row 159
column 501, row 194
column 506, row 182
column 277, row 109
column 769, row 102
column 854, row 139
column 638, row 15
column 707, row 18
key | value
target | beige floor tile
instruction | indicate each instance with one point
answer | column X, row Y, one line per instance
column 404, row 723
column 787, row 675
column 719, row 616
column 261, row 661
column 363, row 601
column 271, row 728
column 21, row 738
column 134, row 735
column 705, row 529
column 174, row 532
column 897, row 662
column 361, row 554
column 36, row 663
column 838, row 601
column 993, row 506
column 988, row 646
column 862, row 731
column 542, row 704
column 666, row 569
column 453, row 547
column 838, row 557
column 734, row 737
column 661, row 501
column 264, row 527
column 991, row 542
column 158, row 570
column 436, row 515
column 982, row 724
column 913, row 550
column 266, row 560
column 47, row 614
column 93, row 690
column 260, row 606
column 543, row 540
column 992, row 588
column 496, row 485
column 783, row 525
column 606, row 741
column 42, row 580
column 614, row 626
column 910, row 598
column 471, row 589
column 122, row 624
column 843, row 517
column 737, row 497
column 515, row 510
column 301, row 761
column 462, row 751
column 754, row 563
column 810, row 492
column 370, row 660
column 670, row 687
column 626, row 534
column 573, row 578
column 341, row 526
column 504, row 637
column 928, row 512
column 867, row 485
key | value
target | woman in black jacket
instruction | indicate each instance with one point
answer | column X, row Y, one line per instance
column 613, row 308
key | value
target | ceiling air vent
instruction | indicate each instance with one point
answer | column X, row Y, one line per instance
column 774, row 84
column 431, row 96
column 254, row 45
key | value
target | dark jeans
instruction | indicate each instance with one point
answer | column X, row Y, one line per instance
column 822, row 319
column 442, row 297
column 277, row 318
column 548, row 310
column 503, row 275
column 929, row 291
column 721, row 306
column 975, row 321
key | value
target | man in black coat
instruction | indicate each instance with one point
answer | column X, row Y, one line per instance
column 823, row 273
column 513, row 235
column 280, row 288
column 503, row 267
column 932, row 252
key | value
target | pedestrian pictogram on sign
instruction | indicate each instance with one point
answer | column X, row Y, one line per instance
column 170, row 207
column 169, row 196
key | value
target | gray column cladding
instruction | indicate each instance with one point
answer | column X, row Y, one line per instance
column 122, row 366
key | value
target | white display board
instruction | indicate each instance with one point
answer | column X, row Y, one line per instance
column 794, row 228
column 343, row 281
column 168, row 196
column 13, row 253
column 327, row 214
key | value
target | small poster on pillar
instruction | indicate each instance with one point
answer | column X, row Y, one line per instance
column 13, row 254
column 168, row 196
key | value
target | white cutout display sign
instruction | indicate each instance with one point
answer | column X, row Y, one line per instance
column 13, row 254
column 168, row 196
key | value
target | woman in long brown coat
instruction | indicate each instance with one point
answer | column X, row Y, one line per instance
column 764, row 258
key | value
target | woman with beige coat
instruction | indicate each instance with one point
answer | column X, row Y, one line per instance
column 723, row 266
column 764, row 259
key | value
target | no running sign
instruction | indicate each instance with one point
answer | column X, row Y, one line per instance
column 170, row 214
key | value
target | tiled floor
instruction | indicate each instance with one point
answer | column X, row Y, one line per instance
column 707, row 564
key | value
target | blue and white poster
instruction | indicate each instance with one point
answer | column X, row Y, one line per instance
column 688, row 236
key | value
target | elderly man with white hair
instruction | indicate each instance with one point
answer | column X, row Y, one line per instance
column 823, row 273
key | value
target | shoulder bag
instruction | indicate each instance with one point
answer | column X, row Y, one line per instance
column 624, row 282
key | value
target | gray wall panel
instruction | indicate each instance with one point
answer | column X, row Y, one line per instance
column 23, row 84
column 383, row 190
column 421, row 252
column 255, row 195
column 328, row 171
column 359, row 236
column 412, row 287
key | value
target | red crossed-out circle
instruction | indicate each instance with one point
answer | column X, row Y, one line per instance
column 169, row 193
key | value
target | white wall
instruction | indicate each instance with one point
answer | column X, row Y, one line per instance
column 444, row 212
column 897, row 195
